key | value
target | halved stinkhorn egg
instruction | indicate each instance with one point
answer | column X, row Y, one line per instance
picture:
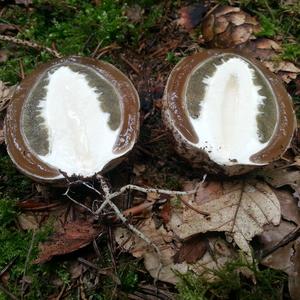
column 72, row 116
column 228, row 112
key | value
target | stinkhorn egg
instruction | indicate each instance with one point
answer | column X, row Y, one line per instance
column 226, row 109
column 73, row 116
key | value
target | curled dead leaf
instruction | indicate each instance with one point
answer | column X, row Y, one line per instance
column 238, row 208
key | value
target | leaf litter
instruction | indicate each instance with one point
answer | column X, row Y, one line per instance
column 238, row 210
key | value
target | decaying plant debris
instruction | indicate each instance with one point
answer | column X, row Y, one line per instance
column 95, row 227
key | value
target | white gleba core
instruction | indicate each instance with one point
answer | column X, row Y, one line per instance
column 227, row 125
column 80, row 140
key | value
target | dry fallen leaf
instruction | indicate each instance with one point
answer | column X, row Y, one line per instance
column 287, row 259
column 73, row 236
column 162, row 239
column 191, row 16
column 28, row 221
column 239, row 208
column 294, row 278
column 279, row 177
column 285, row 69
column 191, row 250
column 273, row 235
column 261, row 48
column 134, row 13
column 6, row 94
column 168, row 245
column 280, row 259
column 284, row 66
column 288, row 205
column 277, row 244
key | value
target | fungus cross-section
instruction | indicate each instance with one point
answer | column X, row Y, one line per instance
column 231, row 109
column 75, row 132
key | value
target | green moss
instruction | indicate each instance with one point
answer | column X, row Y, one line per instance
column 128, row 276
column 291, row 52
column 74, row 27
column 269, row 28
column 231, row 284
column 172, row 58
column 13, row 184
column 14, row 247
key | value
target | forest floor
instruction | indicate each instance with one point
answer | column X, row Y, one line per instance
column 51, row 248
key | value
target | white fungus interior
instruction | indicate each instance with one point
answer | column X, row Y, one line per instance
column 227, row 125
column 80, row 140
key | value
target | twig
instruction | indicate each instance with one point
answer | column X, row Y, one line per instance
column 201, row 212
column 76, row 202
column 61, row 292
column 29, row 44
column 238, row 205
column 107, row 201
column 26, row 264
column 96, row 49
column 106, row 272
column 7, row 292
column 140, row 189
column 106, row 49
column 131, row 65
column 287, row 239
column 8, row 266
column 211, row 10
column 107, row 196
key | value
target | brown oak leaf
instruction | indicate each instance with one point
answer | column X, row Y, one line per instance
column 73, row 236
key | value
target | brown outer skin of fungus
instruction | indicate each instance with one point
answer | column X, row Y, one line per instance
column 27, row 162
column 177, row 121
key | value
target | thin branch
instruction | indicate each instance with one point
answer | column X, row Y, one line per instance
column 29, row 44
column 107, row 200
column 143, row 190
column 61, row 292
column 238, row 205
column 201, row 212
column 7, row 267
column 107, row 197
column 76, row 202
column 286, row 239
column 7, row 293
column 26, row 264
